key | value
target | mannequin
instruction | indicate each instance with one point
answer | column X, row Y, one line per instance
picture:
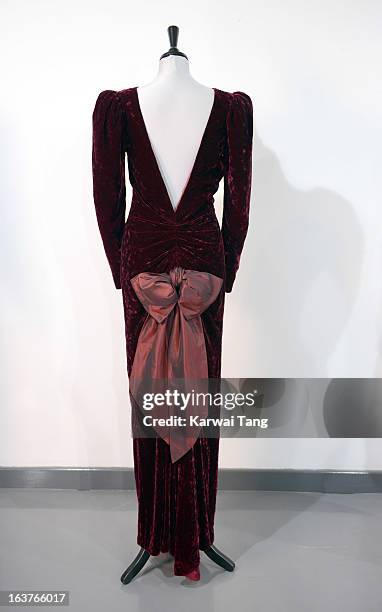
column 167, row 104
column 174, row 264
column 175, row 109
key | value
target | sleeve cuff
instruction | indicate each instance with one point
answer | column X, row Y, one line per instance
column 229, row 280
column 117, row 280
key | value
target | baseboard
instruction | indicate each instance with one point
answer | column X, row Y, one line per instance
column 324, row 481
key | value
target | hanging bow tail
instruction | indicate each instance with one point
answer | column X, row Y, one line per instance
column 170, row 360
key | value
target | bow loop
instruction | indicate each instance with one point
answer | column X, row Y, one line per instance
column 197, row 292
column 156, row 293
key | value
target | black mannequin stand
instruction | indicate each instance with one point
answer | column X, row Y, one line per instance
column 143, row 556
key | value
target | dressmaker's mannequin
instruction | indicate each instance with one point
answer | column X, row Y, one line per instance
column 175, row 110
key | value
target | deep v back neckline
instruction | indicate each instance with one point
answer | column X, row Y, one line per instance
column 203, row 139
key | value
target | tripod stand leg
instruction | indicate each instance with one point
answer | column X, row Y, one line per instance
column 220, row 558
column 135, row 567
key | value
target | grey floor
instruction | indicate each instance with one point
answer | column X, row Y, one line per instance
column 293, row 551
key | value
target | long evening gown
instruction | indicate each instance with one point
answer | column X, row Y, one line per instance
column 176, row 501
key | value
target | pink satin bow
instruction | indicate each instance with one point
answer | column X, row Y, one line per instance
column 171, row 344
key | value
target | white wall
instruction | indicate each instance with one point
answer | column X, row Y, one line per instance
column 308, row 298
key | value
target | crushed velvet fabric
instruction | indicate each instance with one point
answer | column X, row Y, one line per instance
column 176, row 501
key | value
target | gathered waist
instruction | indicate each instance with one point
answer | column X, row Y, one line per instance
column 157, row 241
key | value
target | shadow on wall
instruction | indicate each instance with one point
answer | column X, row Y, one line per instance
column 300, row 272
column 352, row 408
column 308, row 408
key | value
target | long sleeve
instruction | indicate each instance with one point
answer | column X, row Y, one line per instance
column 237, row 182
column 108, row 166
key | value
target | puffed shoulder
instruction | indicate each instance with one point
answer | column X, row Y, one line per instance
column 241, row 104
column 239, row 117
column 240, row 97
column 108, row 105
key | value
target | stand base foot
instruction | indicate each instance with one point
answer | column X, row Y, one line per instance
column 219, row 558
column 143, row 556
column 135, row 567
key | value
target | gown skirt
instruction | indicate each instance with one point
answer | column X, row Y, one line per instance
column 176, row 499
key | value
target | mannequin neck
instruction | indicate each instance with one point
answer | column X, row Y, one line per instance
column 174, row 68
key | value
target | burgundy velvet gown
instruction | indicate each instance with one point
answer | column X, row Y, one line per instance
column 176, row 501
